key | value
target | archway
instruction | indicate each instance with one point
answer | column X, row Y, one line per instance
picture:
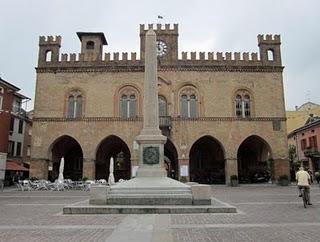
column 207, row 162
column 254, row 160
column 171, row 159
column 70, row 149
column 115, row 147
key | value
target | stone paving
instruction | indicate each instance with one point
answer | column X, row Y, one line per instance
column 265, row 213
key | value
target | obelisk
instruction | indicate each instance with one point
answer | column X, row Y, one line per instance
column 151, row 141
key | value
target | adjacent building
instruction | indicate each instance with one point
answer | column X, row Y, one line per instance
column 223, row 113
column 305, row 142
column 14, row 140
column 298, row 117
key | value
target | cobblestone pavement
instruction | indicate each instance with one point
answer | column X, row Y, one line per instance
column 265, row 213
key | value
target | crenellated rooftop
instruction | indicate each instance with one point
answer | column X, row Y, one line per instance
column 94, row 58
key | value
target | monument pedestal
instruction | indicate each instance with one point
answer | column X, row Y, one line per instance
column 151, row 153
column 150, row 191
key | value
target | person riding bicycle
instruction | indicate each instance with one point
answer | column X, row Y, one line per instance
column 303, row 181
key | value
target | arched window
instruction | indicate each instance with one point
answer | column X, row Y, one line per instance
column 128, row 102
column 243, row 104
column 270, row 55
column 90, row 45
column 128, row 106
column 188, row 103
column 162, row 106
column 75, row 103
column 48, row 55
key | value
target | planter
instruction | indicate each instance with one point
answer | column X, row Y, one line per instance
column 283, row 182
column 234, row 183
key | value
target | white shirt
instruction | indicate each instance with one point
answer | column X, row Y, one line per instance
column 303, row 178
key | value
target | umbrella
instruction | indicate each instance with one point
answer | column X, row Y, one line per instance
column 111, row 177
column 61, row 168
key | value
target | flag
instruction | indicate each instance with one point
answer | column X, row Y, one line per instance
column 160, row 17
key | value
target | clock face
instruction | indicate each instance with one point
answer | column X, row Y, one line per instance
column 161, row 48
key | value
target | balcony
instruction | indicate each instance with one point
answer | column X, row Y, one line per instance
column 165, row 122
column 312, row 152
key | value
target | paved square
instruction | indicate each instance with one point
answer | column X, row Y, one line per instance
column 266, row 213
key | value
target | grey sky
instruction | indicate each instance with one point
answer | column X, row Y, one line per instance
column 204, row 25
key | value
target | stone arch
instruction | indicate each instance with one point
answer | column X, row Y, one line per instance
column 171, row 159
column 254, row 158
column 270, row 54
column 130, row 89
column 48, row 55
column 113, row 146
column 90, row 45
column 207, row 161
column 69, row 148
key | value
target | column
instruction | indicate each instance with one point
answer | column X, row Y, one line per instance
column 89, row 168
column 39, row 168
column 231, row 168
column 281, row 167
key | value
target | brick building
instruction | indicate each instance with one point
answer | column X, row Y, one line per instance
column 223, row 113
column 14, row 121
column 306, row 143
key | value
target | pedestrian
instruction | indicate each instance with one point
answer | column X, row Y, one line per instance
column 311, row 176
column 303, row 181
column 317, row 176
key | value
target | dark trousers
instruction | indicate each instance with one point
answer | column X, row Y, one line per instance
column 307, row 192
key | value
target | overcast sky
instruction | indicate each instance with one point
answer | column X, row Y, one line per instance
column 204, row 25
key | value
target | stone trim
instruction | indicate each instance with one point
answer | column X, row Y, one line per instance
column 139, row 119
column 140, row 68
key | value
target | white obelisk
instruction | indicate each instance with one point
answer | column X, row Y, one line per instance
column 150, row 140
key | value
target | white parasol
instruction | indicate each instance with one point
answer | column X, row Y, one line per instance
column 111, row 176
column 61, row 168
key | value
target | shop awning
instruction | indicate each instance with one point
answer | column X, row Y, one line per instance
column 13, row 166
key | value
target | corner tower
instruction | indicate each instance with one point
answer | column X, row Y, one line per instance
column 269, row 48
column 167, row 42
column 49, row 49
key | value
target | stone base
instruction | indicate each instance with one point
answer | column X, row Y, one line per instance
column 147, row 171
column 150, row 191
column 85, row 208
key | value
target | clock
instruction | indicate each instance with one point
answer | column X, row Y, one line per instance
column 161, row 48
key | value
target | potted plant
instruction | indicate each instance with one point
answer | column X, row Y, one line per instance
column 183, row 179
column 283, row 180
column 234, row 182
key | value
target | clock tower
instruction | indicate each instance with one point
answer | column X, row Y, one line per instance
column 167, row 42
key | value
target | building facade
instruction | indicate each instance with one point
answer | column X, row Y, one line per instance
column 13, row 125
column 223, row 113
column 305, row 143
column 298, row 117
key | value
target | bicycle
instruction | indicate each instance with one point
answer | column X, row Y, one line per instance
column 304, row 196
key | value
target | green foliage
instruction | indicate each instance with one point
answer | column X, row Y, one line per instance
column 84, row 179
column 183, row 179
column 292, row 153
column 33, row 178
column 233, row 177
column 283, row 177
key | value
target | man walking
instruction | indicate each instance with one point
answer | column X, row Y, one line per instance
column 303, row 181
